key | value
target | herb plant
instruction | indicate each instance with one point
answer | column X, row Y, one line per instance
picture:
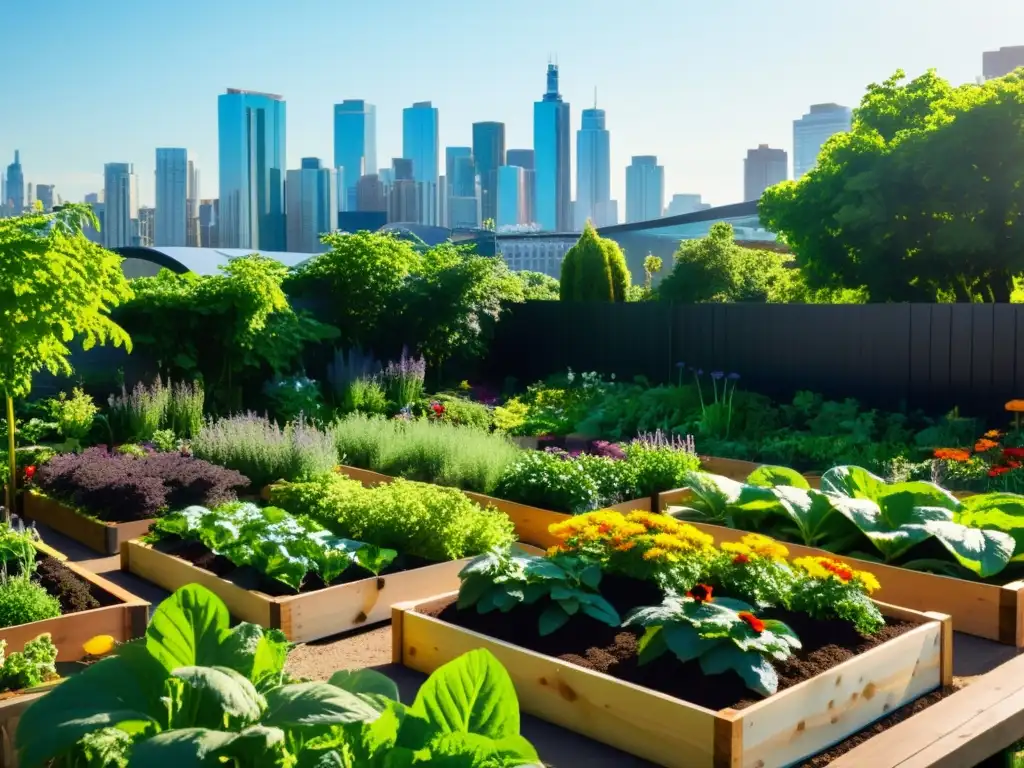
column 29, row 667
column 196, row 692
column 277, row 544
column 74, row 417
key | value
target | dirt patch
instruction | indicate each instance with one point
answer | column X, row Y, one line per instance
column 613, row 650
column 250, row 578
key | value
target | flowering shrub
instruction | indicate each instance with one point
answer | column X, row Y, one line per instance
column 755, row 567
column 403, row 379
column 265, row 452
column 834, row 590
column 118, row 487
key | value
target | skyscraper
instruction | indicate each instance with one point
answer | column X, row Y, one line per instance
column 312, row 195
column 121, row 205
column 645, row 189
column 208, row 215
column 552, row 199
column 812, row 130
column 457, row 185
column 355, row 144
column 762, row 168
column 489, row 156
column 251, row 140
column 420, row 144
column 685, row 203
column 370, row 194
column 527, row 160
column 15, row 197
column 511, row 196
column 1002, row 62
column 593, row 173
column 172, row 197
column 46, row 196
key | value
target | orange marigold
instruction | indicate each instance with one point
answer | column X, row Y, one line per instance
column 993, row 434
column 952, row 454
column 985, row 445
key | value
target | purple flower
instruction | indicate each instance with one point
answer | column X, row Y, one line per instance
column 699, row 371
column 716, row 375
column 607, row 450
column 733, row 377
column 680, row 365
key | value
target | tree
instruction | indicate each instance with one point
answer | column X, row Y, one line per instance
column 594, row 269
column 55, row 287
column 652, row 266
column 537, row 286
column 921, row 201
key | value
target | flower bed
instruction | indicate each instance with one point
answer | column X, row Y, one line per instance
column 101, row 499
column 730, row 656
column 292, row 573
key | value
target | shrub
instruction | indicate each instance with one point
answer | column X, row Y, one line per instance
column 594, row 269
column 416, row 519
column 23, row 601
column 140, row 413
column 463, row 412
column 366, row 396
column 74, row 415
column 660, row 463
column 427, row 451
column 121, row 487
column 263, row 451
column 165, row 440
column 350, row 366
column 546, row 480
column 292, row 397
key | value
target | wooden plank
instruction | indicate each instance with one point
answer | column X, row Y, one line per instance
column 71, row 631
column 12, row 705
column 170, row 573
column 960, row 336
column 958, row 732
column 792, row 724
column 99, row 536
column 817, row 713
column 531, row 523
column 645, row 723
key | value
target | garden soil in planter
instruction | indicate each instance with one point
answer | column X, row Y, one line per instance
column 200, row 556
column 75, row 593
column 613, row 650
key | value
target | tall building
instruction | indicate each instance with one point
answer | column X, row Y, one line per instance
column 527, row 160
column 209, row 211
column 489, row 156
column 312, row 196
column 454, row 184
column 120, row 205
column 553, row 196
column 1002, row 62
column 15, row 195
column 403, row 168
column 593, row 173
column 145, row 226
column 95, row 201
column 370, row 194
column 193, row 195
column 685, row 203
column 172, row 197
column 812, row 130
column 762, row 168
column 645, row 189
column 355, row 144
column 511, row 196
column 251, row 140
column 420, row 144
column 46, row 196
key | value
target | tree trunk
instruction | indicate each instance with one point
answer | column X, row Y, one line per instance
column 12, row 462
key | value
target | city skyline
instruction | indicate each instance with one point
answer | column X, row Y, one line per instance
column 698, row 107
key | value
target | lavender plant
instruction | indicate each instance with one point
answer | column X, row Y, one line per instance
column 350, row 366
column 185, row 409
column 403, row 379
column 136, row 415
column 264, row 451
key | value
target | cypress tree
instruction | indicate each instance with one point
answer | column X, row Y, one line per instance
column 619, row 270
column 586, row 274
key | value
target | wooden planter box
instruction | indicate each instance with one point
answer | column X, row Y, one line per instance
column 12, row 705
column 302, row 617
column 780, row 730
column 531, row 522
column 105, row 538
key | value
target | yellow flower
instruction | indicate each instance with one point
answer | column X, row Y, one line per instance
column 764, row 546
column 868, row 581
column 625, row 546
column 100, row 645
column 655, row 553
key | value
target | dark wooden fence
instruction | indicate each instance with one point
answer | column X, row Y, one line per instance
column 931, row 356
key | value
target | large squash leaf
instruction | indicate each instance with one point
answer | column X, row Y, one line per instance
column 985, row 552
column 996, row 511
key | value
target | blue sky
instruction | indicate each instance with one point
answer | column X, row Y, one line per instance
column 696, row 83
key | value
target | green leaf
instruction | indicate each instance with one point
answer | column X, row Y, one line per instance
column 996, row 511
column 302, row 704
column 552, row 619
column 224, row 690
column 651, row 645
column 758, row 674
column 852, row 482
column 365, row 681
column 591, row 576
column 188, row 628
column 181, row 748
column 470, row 694
column 255, row 745
column 599, row 609
column 255, row 652
column 685, row 643
column 469, row 750
column 986, row 553
column 771, row 476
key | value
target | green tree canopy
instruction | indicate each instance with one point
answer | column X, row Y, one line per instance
column 921, row 201
column 594, row 269
column 537, row 286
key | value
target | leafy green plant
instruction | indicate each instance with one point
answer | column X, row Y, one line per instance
column 460, row 411
column 366, row 395
column 503, row 579
column 74, row 416
column 136, row 415
column 722, row 634
column 427, row 521
column 164, row 440
column 832, row 589
column 594, row 269
column 196, row 692
column 659, row 463
column 294, row 397
column 23, row 601
column 545, row 480
column 403, row 379
column 29, row 667
column 185, row 409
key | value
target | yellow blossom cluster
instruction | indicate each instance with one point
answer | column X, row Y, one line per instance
column 653, row 538
column 827, row 567
column 756, row 544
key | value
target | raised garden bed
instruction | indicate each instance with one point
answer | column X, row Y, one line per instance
column 12, row 705
column 99, row 536
column 303, row 617
column 794, row 723
column 531, row 522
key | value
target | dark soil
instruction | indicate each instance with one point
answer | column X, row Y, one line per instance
column 250, row 578
column 75, row 593
column 613, row 650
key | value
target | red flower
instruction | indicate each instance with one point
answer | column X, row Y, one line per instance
column 1013, row 453
column 701, row 593
column 741, row 559
column 437, row 408
column 997, row 471
column 752, row 621
column 838, row 569
column 30, row 472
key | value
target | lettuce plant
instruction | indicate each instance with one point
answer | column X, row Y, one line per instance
column 194, row 692
column 721, row 633
column 277, row 544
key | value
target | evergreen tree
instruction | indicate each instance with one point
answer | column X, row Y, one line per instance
column 594, row 270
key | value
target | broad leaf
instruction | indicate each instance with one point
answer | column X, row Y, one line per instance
column 181, row 748
column 717, row 495
column 770, row 477
column 188, row 628
column 756, row 671
column 685, row 643
column 221, row 691
column 255, row 652
column 854, row 482
column 470, row 694
column 552, row 619
column 984, row 552
column 468, row 750
column 365, row 681
column 808, row 508
column 302, row 704
column 996, row 511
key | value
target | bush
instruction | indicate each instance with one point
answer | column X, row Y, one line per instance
column 136, row 415
column 403, row 379
column 433, row 452
column 660, row 464
column 416, row 519
column 23, row 601
column 75, row 415
column 594, row 269
column 185, row 409
column 118, row 487
column 462, row 412
column 292, row 397
column 548, row 481
column 265, row 452
column 366, row 396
